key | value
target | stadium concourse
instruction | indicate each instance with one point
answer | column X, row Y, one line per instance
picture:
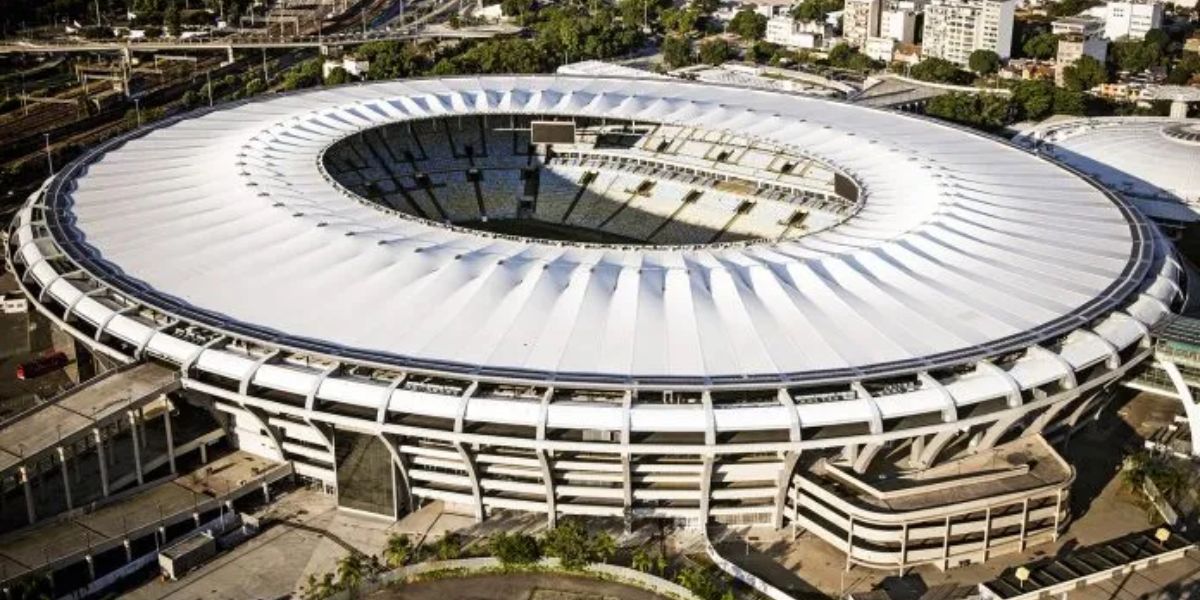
column 618, row 297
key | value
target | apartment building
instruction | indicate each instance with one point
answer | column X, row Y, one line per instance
column 1132, row 19
column 956, row 28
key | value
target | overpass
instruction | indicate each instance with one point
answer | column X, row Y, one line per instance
column 1174, row 371
column 87, row 443
column 253, row 42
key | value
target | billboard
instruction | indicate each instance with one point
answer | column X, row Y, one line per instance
column 552, row 132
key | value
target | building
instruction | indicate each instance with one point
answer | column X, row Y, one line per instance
column 353, row 66
column 394, row 291
column 956, row 28
column 898, row 24
column 1077, row 37
column 880, row 48
column 860, row 21
column 772, row 8
column 1132, row 19
column 791, row 33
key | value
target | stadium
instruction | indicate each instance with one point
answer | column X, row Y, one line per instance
column 617, row 297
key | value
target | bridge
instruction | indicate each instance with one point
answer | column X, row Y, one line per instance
column 254, row 42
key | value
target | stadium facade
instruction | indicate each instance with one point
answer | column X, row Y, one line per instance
column 698, row 303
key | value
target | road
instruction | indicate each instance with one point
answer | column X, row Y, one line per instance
column 14, row 46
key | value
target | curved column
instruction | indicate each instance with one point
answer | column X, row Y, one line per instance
column 710, row 440
column 1114, row 356
column 862, row 460
column 386, row 400
column 1189, row 403
column 949, row 406
column 626, row 468
column 544, row 461
column 190, row 361
column 1069, row 380
column 1014, row 388
column 935, row 446
column 467, row 459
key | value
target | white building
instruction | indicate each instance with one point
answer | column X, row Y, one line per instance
column 353, row 66
column 1078, row 37
column 898, row 24
column 771, row 8
column 860, row 20
column 791, row 33
column 956, row 28
column 1132, row 19
column 880, row 48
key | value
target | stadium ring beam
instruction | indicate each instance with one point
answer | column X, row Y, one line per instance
column 972, row 289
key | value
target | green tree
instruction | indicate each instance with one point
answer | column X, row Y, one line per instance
column 1042, row 46
column 816, row 10
column 984, row 111
column 1085, row 74
column 984, row 62
column 397, row 551
column 701, row 582
column 761, row 51
column 337, row 76
column 602, row 546
column 642, row 561
column 680, row 21
column 172, row 20
column 514, row 549
column 302, row 75
column 351, row 570
column 714, row 51
column 254, row 87
column 517, row 8
column 939, row 70
column 677, row 51
column 569, row 543
column 748, row 25
column 1185, row 70
column 449, row 547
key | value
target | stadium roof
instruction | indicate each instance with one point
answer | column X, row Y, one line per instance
column 1149, row 158
column 965, row 247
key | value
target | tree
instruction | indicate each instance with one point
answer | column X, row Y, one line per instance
column 641, row 561
column 701, row 582
column 397, row 550
column 1085, row 74
column 939, row 70
column 337, row 76
column 984, row 111
column 677, row 51
column 748, row 25
column 1042, row 46
column 714, row 51
column 449, row 547
column 845, row 57
column 816, row 10
column 172, row 20
column 984, row 62
column 514, row 549
column 517, row 8
column 351, row 570
column 1187, row 68
column 602, row 547
column 304, row 74
column 680, row 20
column 569, row 543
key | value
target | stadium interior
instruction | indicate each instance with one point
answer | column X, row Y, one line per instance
column 608, row 181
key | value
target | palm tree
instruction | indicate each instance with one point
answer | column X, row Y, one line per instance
column 641, row 561
column 397, row 551
column 603, row 546
column 448, row 548
column 350, row 571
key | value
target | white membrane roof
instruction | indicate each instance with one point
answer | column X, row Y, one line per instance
column 963, row 244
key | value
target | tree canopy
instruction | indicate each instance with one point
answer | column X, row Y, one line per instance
column 748, row 25
column 1042, row 46
column 714, row 51
column 1085, row 74
column 984, row 62
column 816, row 10
column 939, row 70
column 677, row 51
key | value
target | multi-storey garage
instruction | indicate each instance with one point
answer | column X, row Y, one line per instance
column 614, row 297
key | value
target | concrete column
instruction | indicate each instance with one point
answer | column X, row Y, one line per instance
column 66, row 477
column 204, row 454
column 266, row 493
column 1057, row 514
column 137, row 447
column 987, row 533
column 30, row 512
column 1024, row 524
column 170, row 437
column 946, row 546
column 141, row 419
column 91, row 566
column 916, row 450
column 128, row 550
column 102, row 460
column 849, row 542
column 903, row 547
